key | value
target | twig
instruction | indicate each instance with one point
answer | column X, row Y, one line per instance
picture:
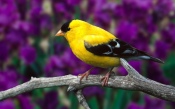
column 133, row 81
column 81, row 99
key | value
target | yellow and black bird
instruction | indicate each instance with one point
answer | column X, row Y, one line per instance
column 97, row 47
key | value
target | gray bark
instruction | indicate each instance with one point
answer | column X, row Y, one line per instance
column 133, row 81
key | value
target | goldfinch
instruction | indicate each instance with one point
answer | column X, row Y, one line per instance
column 97, row 47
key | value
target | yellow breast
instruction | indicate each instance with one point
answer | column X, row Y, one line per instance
column 81, row 31
column 99, row 61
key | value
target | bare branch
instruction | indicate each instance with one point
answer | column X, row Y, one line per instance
column 81, row 99
column 146, row 85
column 133, row 81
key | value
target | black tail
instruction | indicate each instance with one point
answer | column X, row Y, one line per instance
column 143, row 55
column 156, row 60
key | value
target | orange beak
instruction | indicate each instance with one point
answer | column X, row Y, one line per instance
column 59, row 33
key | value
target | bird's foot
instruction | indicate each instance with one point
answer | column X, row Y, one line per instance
column 105, row 79
column 86, row 74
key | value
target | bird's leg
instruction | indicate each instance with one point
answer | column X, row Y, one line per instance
column 106, row 78
column 86, row 74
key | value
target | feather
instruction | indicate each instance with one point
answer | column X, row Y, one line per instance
column 118, row 48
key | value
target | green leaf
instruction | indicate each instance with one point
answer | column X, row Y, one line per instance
column 22, row 68
column 173, row 20
column 74, row 101
column 169, row 67
column 17, row 104
column 93, row 103
column 37, row 107
column 118, row 99
column 38, row 93
column 35, row 68
column 51, row 46
column 108, row 96
column 15, row 61
column 141, row 98
column 121, row 99
column 77, row 13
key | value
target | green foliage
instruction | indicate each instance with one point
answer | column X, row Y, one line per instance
column 93, row 103
column 169, row 67
column 121, row 99
column 108, row 97
column 73, row 100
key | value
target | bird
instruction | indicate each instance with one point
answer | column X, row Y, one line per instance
column 98, row 47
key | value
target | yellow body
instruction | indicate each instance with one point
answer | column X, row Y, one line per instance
column 81, row 31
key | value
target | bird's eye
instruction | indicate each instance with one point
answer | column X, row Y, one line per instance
column 65, row 27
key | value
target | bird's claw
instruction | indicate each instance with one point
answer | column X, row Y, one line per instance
column 105, row 79
column 86, row 74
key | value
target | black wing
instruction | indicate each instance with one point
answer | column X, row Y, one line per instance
column 118, row 48
column 115, row 48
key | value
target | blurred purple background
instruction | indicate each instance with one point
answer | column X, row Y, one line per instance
column 28, row 49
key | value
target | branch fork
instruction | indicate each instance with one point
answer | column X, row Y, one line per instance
column 133, row 81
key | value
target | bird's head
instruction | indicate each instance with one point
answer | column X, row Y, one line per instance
column 70, row 26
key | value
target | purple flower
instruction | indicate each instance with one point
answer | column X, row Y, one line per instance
column 119, row 12
column 154, row 103
column 73, row 2
column 127, row 31
column 35, row 13
column 135, row 64
column 77, row 66
column 4, row 53
column 40, row 23
column 11, row 75
column 67, row 56
column 93, row 91
column 144, row 4
column 36, row 3
column 22, row 8
column 59, row 48
column 16, row 38
column 50, row 100
column 54, row 65
column 25, row 102
column 162, row 49
column 91, row 5
column 27, row 54
column 155, row 73
column 136, row 10
column 7, row 104
column 103, row 13
column 8, row 12
column 141, row 43
column 168, row 34
column 63, row 10
column 45, row 23
column 133, row 105
column 150, row 103
column 67, row 63
column 102, row 19
column 35, row 19
column 164, row 7
column 149, row 25
column 22, row 26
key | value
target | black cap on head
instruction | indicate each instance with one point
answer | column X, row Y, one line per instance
column 65, row 26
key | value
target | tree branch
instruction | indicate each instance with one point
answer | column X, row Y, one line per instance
column 133, row 81
column 81, row 99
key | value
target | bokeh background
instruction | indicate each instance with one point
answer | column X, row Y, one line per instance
column 28, row 49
